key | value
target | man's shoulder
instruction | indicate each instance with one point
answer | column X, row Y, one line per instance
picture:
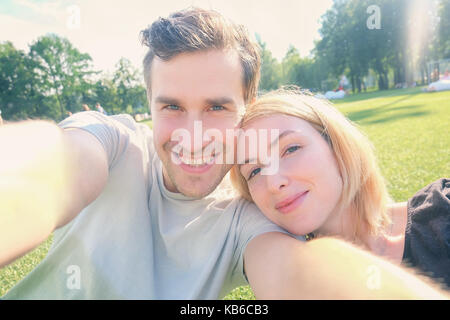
column 115, row 132
column 242, row 211
column 226, row 197
column 121, row 124
column 122, row 120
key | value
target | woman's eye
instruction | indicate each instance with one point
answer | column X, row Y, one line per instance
column 217, row 108
column 291, row 149
column 254, row 173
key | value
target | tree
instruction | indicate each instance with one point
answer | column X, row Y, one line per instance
column 131, row 94
column 349, row 46
column 271, row 73
column 303, row 72
column 106, row 94
column 63, row 71
column 332, row 48
column 443, row 30
column 20, row 94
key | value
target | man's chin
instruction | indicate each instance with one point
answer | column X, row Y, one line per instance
column 196, row 194
column 195, row 185
column 196, row 188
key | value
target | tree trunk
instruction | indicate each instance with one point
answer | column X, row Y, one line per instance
column 422, row 73
column 353, row 83
column 380, row 82
column 386, row 81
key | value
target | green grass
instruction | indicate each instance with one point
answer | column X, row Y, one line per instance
column 147, row 122
column 16, row 271
column 409, row 130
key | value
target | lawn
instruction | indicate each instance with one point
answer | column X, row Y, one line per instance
column 410, row 131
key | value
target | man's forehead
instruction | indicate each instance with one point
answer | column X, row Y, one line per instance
column 205, row 62
column 209, row 75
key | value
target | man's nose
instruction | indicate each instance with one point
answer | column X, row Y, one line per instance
column 193, row 142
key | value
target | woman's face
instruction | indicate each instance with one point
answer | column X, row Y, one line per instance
column 302, row 194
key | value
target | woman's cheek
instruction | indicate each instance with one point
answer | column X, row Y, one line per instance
column 296, row 167
column 257, row 191
column 308, row 164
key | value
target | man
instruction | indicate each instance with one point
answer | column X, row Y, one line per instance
column 132, row 223
column 100, row 109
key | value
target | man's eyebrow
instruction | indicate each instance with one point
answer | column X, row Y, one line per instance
column 166, row 100
column 209, row 101
column 282, row 135
column 220, row 101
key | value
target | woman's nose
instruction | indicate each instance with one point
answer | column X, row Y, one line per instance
column 276, row 182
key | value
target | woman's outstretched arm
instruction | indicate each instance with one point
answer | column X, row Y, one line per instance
column 281, row 267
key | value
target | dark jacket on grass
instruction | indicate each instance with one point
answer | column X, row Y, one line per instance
column 427, row 238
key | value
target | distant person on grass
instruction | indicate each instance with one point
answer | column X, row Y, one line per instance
column 136, row 218
column 100, row 109
column 328, row 184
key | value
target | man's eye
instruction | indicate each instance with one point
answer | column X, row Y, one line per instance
column 292, row 149
column 254, row 173
column 172, row 107
column 217, row 108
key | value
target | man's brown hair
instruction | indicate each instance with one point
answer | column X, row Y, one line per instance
column 196, row 29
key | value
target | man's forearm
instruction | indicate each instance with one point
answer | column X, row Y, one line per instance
column 33, row 185
column 328, row 269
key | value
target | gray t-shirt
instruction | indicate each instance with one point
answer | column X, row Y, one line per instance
column 137, row 240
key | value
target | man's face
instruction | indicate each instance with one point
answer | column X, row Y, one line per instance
column 191, row 90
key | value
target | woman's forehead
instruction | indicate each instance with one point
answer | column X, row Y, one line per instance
column 277, row 121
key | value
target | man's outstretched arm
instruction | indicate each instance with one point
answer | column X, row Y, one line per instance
column 281, row 267
column 47, row 176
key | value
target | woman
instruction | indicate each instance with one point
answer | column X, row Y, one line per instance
column 328, row 184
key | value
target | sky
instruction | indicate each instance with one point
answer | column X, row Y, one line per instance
column 109, row 30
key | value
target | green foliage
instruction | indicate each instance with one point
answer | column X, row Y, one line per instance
column 270, row 68
column 55, row 78
column 348, row 46
column 442, row 44
column 62, row 71
column 303, row 72
column 397, row 50
column 130, row 94
column 21, row 95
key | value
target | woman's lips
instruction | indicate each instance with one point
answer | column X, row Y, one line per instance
column 291, row 203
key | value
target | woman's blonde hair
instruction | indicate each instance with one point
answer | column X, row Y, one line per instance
column 364, row 188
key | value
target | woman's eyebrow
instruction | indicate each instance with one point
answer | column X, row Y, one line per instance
column 274, row 142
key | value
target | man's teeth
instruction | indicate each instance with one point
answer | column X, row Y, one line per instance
column 197, row 162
